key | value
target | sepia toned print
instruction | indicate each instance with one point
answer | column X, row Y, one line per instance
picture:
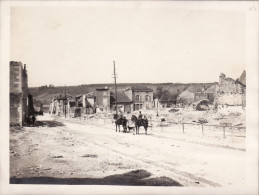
column 128, row 96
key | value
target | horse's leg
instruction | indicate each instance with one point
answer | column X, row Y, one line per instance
column 116, row 126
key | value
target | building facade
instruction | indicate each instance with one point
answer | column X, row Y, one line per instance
column 141, row 97
column 124, row 103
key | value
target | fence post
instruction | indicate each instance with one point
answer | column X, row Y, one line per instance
column 202, row 129
column 224, row 134
column 183, row 127
column 162, row 126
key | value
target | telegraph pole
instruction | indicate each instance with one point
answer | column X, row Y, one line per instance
column 115, row 86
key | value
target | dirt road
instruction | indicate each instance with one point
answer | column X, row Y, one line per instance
column 62, row 151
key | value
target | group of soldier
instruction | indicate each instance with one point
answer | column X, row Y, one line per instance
column 140, row 116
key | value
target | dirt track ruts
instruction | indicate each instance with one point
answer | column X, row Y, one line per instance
column 180, row 176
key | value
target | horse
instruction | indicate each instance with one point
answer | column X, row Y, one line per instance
column 120, row 122
column 139, row 122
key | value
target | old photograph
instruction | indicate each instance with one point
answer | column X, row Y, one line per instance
column 129, row 94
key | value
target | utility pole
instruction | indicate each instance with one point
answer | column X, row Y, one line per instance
column 65, row 101
column 115, row 86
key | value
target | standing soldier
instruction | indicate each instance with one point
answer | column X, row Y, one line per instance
column 33, row 120
column 140, row 115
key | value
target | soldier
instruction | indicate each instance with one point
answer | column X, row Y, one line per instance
column 140, row 115
column 121, row 115
column 33, row 119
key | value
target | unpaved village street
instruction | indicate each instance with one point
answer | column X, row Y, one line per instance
column 70, row 151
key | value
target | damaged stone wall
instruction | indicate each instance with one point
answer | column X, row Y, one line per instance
column 230, row 92
column 18, row 93
column 102, row 99
column 204, row 96
column 16, row 109
column 16, row 104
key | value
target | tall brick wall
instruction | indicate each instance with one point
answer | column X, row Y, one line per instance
column 18, row 93
column 15, row 77
column 16, row 105
column 16, row 117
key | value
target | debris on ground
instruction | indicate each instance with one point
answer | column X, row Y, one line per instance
column 57, row 157
column 173, row 110
column 202, row 120
column 90, row 156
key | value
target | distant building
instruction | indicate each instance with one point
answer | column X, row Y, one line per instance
column 18, row 93
column 206, row 94
column 102, row 99
column 166, row 101
column 190, row 96
column 124, row 103
column 141, row 97
column 231, row 92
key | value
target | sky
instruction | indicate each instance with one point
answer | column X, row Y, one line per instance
column 74, row 46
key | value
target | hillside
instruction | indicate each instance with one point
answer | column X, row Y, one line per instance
column 46, row 94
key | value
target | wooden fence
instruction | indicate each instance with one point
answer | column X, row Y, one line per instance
column 203, row 127
column 222, row 130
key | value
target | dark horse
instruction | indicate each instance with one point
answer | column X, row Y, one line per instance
column 120, row 122
column 139, row 122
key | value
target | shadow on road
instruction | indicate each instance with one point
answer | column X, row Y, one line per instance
column 49, row 123
column 133, row 178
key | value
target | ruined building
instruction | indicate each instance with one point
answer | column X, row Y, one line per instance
column 191, row 96
column 102, row 99
column 18, row 93
column 231, row 92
